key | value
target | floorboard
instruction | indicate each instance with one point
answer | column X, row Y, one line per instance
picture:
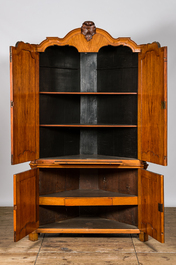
column 86, row 249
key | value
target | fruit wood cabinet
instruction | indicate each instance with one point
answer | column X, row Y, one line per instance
column 88, row 111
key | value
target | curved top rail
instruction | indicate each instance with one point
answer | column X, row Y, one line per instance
column 82, row 43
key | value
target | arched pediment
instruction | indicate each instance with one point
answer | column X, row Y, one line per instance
column 82, row 43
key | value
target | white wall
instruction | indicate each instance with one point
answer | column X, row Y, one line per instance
column 31, row 21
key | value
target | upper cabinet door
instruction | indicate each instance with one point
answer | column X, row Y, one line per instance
column 152, row 104
column 151, row 204
column 26, row 203
column 24, row 73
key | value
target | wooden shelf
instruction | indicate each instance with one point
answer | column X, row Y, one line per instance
column 89, row 225
column 88, row 93
column 88, row 198
column 88, row 125
column 81, row 161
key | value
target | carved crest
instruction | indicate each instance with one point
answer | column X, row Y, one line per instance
column 88, row 29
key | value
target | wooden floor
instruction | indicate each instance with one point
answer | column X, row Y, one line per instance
column 85, row 249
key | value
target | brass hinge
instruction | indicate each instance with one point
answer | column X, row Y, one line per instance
column 10, row 54
column 11, row 103
column 160, row 207
column 163, row 104
column 15, row 207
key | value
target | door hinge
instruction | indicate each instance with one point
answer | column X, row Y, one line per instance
column 10, row 54
column 11, row 103
column 160, row 207
column 15, row 239
column 163, row 104
column 15, row 207
column 12, row 159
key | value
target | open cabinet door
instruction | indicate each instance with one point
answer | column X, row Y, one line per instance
column 151, row 204
column 24, row 83
column 26, row 203
column 152, row 104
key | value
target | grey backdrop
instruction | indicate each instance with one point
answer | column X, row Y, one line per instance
column 32, row 21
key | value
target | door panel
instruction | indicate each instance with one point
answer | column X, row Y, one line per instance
column 26, row 203
column 24, row 73
column 152, row 104
column 151, row 204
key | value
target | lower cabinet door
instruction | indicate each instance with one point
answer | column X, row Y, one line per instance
column 26, row 203
column 151, row 204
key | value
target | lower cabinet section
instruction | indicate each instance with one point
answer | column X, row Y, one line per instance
column 73, row 200
column 100, row 200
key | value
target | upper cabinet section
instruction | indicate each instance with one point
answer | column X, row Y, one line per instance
column 89, row 94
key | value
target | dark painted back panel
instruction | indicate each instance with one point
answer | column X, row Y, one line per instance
column 59, row 80
column 59, row 109
column 117, row 69
column 59, row 141
column 60, row 57
column 118, row 109
column 118, row 142
column 60, row 69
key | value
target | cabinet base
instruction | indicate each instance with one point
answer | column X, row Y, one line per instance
column 82, row 225
column 143, row 237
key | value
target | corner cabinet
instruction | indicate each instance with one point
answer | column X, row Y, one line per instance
column 88, row 111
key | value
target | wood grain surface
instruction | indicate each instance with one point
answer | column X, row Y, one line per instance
column 26, row 201
column 152, row 104
column 24, row 104
column 150, row 218
column 87, row 198
column 76, row 39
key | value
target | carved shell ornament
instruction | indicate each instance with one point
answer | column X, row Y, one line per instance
column 88, row 29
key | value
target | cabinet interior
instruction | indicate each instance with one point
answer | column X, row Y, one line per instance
column 88, row 102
